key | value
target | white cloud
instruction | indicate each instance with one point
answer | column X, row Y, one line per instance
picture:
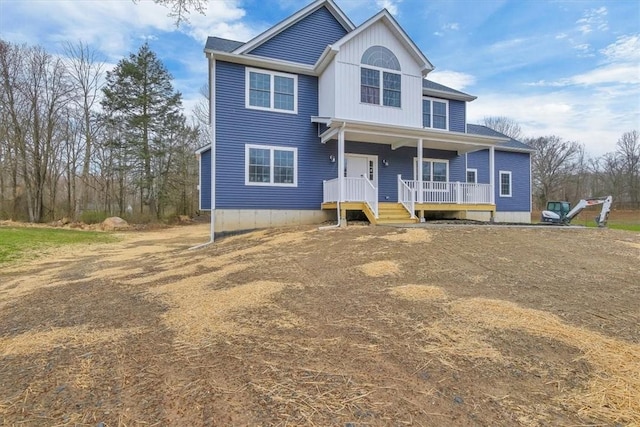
column 593, row 19
column 390, row 5
column 626, row 49
column 453, row 79
column 597, row 121
column 454, row 26
column 438, row 33
column 507, row 44
column 221, row 19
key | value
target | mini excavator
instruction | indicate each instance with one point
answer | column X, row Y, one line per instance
column 562, row 214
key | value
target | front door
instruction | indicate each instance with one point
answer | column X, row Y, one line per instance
column 360, row 165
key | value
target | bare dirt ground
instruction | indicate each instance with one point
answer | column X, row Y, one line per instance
column 354, row 327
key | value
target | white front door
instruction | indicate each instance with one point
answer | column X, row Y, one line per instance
column 360, row 165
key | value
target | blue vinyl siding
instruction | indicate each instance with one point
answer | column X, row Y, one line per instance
column 205, row 180
column 518, row 165
column 457, row 116
column 304, row 41
column 237, row 126
column 479, row 160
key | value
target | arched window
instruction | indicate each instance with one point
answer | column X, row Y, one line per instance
column 380, row 56
column 374, row 78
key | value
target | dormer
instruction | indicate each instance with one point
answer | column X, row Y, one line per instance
column 375, row 75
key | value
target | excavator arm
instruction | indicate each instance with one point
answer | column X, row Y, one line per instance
column 601, row 219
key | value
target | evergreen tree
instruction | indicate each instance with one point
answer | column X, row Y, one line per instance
column 139, row 99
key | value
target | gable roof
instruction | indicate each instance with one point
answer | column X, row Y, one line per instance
column 431, row 88
column 291, row 20
column 385, row 17
column 222, row 45
column 511, row 145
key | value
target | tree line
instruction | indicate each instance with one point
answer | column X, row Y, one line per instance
column 82, row 143
column 563, row 170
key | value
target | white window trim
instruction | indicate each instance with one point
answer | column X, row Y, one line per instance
column 475, row 172
column 380, row 71
column 425, row 159
column 272, row 148
column 446, row 120
column 500, row 183
column 272, row 74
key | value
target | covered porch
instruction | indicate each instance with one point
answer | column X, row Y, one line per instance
column 413, row 195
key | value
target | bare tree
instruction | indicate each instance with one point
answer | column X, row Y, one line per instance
column 181, row 9
column 504, row 125
column 553, row 162
column 85, row 70
column 628, row 153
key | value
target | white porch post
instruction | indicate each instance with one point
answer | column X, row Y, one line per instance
column 419, row 166
column 341, row 195
column 492, row 173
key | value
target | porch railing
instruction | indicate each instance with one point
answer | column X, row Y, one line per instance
column 451, row 192
column 407, row 196
column 331, row 190
column 355, row 190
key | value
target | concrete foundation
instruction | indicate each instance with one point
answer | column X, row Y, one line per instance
column 517, row 217
column 229, row 220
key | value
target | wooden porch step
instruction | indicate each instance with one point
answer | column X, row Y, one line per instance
column 393, row 213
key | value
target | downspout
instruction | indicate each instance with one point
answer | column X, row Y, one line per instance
column 212, row 136
column 329, row 227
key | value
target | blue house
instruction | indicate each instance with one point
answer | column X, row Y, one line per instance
column 316, row 117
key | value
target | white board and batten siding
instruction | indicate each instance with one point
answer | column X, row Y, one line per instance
column 340, row 82
column 327, row 91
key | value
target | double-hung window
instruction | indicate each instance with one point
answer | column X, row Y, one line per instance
column 380, row 78
column 505, row 183
column 268, row 165
column 472, row 176
column 434, row 170
column 270, row 90
column 435, row 113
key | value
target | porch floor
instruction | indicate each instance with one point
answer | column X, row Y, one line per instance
column 395, row 213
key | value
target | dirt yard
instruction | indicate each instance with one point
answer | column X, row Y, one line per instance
column 364, row 326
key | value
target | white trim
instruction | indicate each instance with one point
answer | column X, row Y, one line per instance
column 272, row 148
column 199, row 181
column 395, row 28
column 475, row 175
column 448, row 95
column 296, row 17
column 272, row 75
column 203, row 149
column 492, row 173
column 431, row 160
column 446, row 120
column 500, row 173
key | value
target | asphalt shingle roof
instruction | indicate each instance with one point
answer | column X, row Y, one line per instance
column 485, row 131
column 223, row 45
column 428, row 84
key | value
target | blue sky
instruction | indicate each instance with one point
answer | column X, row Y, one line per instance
column 567, row 68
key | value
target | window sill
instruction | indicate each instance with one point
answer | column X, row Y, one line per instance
column 273, row 110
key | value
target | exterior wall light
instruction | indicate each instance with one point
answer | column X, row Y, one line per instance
column 332, row 158
column 385, row 162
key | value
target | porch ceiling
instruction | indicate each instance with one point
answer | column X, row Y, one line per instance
column 401, row 136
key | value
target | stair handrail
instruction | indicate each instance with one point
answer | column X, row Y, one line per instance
column 371, row 197
column 406, row 197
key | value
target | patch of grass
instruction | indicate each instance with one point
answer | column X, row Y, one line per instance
column 619, row 226
column 16, row 242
